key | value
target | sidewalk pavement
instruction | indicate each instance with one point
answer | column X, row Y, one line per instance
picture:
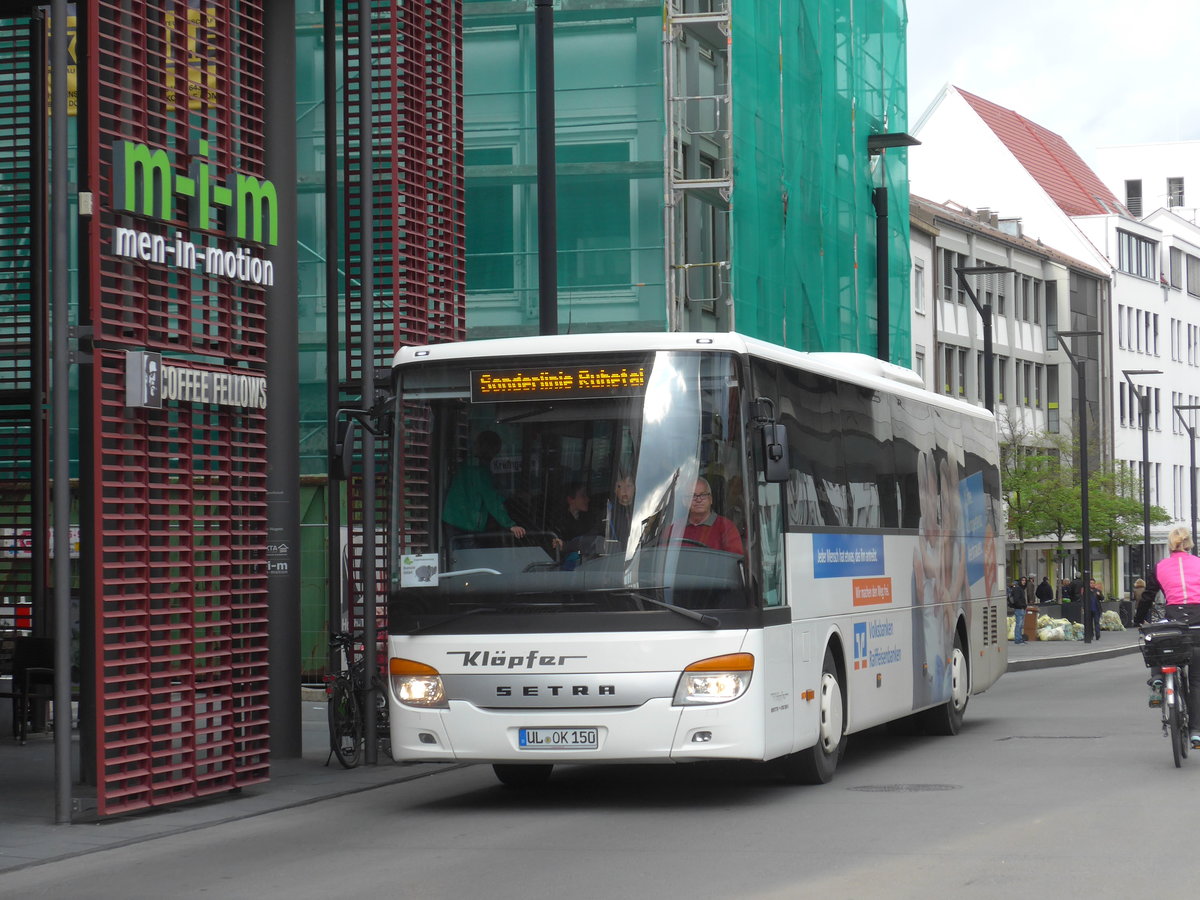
column 28, row 835
column 1050, row 654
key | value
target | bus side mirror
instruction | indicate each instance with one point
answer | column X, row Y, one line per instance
column 774, row 453
column 343, row 450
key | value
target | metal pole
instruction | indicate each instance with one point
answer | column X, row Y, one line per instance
column 1086, row 548
column 1079, row 364
column 879, row 197
column 985, row 313
column 1144, row 409
column 989, row 376
column 283, row 374
column 60, row 399
column 367, row 263
column 1144, row 412
column 1192, row 479
column 333, row 322
column 547, row 189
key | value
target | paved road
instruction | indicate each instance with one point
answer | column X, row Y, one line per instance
column 1041, row 795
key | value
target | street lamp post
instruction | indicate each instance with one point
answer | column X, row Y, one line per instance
column 1191, row 430
column 1085, row 538
column 1144, row 414
column 985, row 313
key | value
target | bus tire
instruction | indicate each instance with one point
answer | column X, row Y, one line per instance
column 947, row 719
column 816, row 764
column 522, row 776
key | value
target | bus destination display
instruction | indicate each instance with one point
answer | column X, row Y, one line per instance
column 558, row 382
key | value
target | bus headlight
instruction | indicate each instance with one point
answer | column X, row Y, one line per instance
column 718, row 679
column 416, row 684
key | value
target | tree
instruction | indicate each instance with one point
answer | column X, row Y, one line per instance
column 1116, row 511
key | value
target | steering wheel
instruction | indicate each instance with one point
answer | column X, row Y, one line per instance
column 690, row 542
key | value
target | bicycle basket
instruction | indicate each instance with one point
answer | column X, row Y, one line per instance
column 1165, row 644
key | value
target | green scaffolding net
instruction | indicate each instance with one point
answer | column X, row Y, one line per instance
column 811, row 81
column 806, row 83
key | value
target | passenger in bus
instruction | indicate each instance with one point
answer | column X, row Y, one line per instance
column 472, row 503
column 619, row 516
column 572, row 520
column 705, row 526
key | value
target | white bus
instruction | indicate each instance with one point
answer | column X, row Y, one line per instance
column 865, row 585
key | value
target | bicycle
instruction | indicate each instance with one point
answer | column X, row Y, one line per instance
column 1167, row 647
column 346, row 707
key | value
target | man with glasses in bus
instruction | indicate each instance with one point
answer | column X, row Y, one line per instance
column 705, row 526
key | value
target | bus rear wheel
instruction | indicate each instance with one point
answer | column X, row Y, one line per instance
column 518, row 776
column 947, row 719
column 817, row 764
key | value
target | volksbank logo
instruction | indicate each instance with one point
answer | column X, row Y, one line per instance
column 146, row 184
column 867, row 637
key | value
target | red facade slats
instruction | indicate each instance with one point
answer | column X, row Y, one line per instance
column 416, row 206
column 179, row 492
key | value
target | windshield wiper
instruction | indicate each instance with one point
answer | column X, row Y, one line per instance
column 454, row 618
column 707, row 621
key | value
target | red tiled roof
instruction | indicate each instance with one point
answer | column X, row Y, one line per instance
column 1071, row 184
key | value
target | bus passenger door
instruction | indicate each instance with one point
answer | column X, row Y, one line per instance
column 780, row 699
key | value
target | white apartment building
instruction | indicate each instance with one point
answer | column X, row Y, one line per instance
column 985, row 156
column 1032, row 376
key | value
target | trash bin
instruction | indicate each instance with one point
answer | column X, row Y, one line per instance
column 1031, row 617
column 1125, row 611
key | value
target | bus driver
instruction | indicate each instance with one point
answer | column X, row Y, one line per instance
column 705, row 526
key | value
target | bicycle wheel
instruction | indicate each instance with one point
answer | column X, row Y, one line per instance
column 345, row 724
column 1185, row 715
column 1176, row 729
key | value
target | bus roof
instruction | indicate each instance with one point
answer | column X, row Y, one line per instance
column 855, row 367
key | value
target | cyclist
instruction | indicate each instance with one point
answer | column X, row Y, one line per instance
column 1179, row 577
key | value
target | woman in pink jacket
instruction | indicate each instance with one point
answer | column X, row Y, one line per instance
column 1179, row 577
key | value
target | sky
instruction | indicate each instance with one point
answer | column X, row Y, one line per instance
column 1096, row 72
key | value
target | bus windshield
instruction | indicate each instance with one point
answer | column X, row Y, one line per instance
column 608, row 490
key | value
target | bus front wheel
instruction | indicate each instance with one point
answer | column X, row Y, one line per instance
column 817, row 764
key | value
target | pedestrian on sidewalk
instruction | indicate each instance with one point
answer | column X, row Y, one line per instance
column 1017, row 603
column 1095, row 596
column 1045, row 591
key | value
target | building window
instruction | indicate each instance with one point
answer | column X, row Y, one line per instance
column 1176, row 266
column 1052, row 419
column 1133, row 196
column 1193, row 275
column 962, row 373
column 951, row 289
column 919, row 361
column 1002, row 378
column 1136, row 255
column 918, row 288
column 1174, row 192
column 1037, row 301
column 947, row 369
